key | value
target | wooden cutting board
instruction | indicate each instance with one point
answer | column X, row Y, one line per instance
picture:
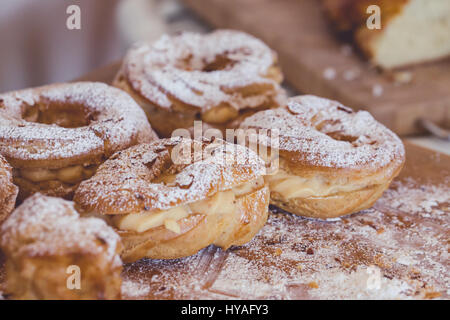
column 307, row 47
column 397, row 249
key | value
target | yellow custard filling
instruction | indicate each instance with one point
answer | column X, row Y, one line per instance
column 290, row 186
column 221, row 203
column 220, row 114
column 71, row 174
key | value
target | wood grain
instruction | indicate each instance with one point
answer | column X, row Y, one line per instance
column 306, row 45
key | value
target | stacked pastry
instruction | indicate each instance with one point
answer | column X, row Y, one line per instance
column 169, row 198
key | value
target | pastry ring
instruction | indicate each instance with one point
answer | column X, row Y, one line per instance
column 55, row 136
column 164, row 208
column 218, row 78
column 332, row 161
column 45, row 242
column 8, row 191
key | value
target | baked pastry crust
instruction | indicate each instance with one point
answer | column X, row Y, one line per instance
column 332, row 161
column 199, row 202
column 8, row 191
column 55, row 136
column 219, row 78
column 43, row 237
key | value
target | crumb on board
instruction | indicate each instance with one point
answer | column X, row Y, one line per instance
column 377, row 90
column 278, row 252
column 329, row 73
column 432, row 295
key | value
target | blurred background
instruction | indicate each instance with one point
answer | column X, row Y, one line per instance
column 37, row 48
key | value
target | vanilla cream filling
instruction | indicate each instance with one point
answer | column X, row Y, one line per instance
column 290, row 186
column 71, row 174
column 220, row 114
column 221, row 203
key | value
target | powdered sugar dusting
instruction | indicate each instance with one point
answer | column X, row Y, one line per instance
column 422, row 200
column 116, row 121
column 174, row 67
column 51, row 226
column 356, row 285
column 135, row 289
column 127, row 182
column 324, row 133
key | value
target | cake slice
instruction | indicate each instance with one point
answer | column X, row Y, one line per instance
column 412, row 31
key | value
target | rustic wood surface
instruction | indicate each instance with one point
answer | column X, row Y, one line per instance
column 404, row 237
column 307, row 47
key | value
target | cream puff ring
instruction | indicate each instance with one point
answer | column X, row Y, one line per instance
column 332, row 160
column 219, row 78
column 56, row 136
column 167, row 202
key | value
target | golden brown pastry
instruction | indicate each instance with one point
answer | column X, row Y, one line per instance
column 332, row 161
column 56, row 136
column 218, row 78
column 173, row 197
column 412, row 31
column 8, row 191
column 45, row 241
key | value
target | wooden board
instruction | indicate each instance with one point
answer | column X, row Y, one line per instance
column 298, row 31
column 397, row 249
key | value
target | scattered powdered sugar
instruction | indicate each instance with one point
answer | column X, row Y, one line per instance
column 377, row 90
column 135, row 288
column 424, row 200
column 329, row 73
column 357, row 285
column 115, row 121
column 175, row 67
column 323, row 132
column 351, row 74
column 380, row 253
